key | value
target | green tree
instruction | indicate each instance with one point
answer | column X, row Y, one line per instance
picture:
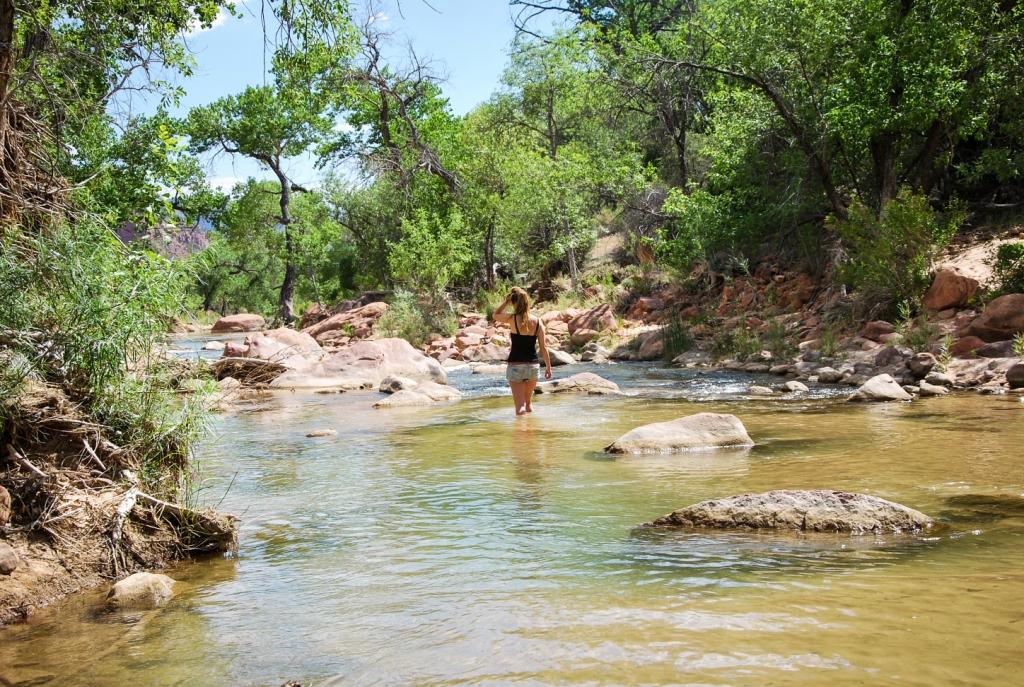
column 270, row 125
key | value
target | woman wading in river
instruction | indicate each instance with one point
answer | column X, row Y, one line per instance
column 527, row 336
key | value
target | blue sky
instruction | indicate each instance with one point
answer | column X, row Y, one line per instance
column 468, row 39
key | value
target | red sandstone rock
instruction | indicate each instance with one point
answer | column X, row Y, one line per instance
column 966, row 346
column 1002, row 319
column 949, row 290
column 876, row 329
column 242, row 322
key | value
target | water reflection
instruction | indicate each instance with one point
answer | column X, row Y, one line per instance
column 456, row 544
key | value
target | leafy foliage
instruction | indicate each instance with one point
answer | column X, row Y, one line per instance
column 1009, row 267
column 891, row 255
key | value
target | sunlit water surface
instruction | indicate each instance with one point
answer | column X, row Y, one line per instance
column 457, row 544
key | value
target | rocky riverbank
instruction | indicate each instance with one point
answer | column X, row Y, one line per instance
column 774, row 322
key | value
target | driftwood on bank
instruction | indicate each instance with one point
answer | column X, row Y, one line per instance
column 249, row 371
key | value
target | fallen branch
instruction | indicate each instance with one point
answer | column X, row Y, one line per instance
column 92, row 453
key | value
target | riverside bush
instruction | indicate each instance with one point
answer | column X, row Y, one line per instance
column 81, row 311
column 891, row 253
column 1009, row 267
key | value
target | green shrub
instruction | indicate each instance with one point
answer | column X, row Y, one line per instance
column 777, row 342
column 677, row 338
column 81, row 311
column 746, row 345
column 1018, row 345
column 828, row 340
column 890, row 253
column 723, row 344
column 1009, row 267
column 405, row 319
column 916, row 333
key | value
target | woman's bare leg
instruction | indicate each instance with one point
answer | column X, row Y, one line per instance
column 529, row 386
column 519, row 396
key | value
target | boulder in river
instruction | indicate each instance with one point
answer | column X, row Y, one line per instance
column 142, row 590
column 559, row 358
column 702, row 431
column 322, row 433
column 393, row 383
column 242, row 322
column 1015, row 376
column 365, row 364
column 926, row 389
column 424, row 393
column 816, row 510
column 582, row 383
column 757, row 390
column 881, row 388
column 795, row 387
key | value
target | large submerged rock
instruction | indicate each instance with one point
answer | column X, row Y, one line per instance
column 817, row 510
column 582, row 383
column 702, row 431
column 365, row 364
column 142, row 590
column 424, row 393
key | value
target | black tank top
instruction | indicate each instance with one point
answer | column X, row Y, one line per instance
column 524, row 346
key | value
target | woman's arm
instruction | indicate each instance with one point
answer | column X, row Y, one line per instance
column 499, row 314
column 542, row 341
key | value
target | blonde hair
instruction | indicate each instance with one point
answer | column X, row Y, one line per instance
column 520, row 301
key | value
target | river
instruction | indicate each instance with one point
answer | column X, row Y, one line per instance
column 457, row 544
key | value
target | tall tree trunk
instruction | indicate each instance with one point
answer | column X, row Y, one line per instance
column 489, row 254
column 286, row 309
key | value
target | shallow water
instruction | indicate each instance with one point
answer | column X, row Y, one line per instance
column 456, row 544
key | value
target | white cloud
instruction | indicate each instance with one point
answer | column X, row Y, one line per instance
column 195, row 28
column 224, row 184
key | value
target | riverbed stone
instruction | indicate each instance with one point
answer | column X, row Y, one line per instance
column 702, row 431
column 242, row 322
column 393, row 383
column 141, row 591
column 921, row 364
column 795, row 387
column 594, row 352
column 322, row 433
column 425, row 393
column 876, row 329
column 996, row 349
column 881, row 388
column 757, row 390
column 559, row 358
column 926, row 389
column 214, row 346
column 829, row 375
column 488, row 369
column 582, row 383
column 814, row 510
column 9, row 560
column 1015, row 376
column 939, row 378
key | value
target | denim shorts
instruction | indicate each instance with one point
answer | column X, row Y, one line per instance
column 522, row 372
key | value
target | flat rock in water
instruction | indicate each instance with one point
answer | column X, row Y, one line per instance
column 242, row 322
column 692, row 433
column 141, row 591
column 425, row 393
column 319, row 433
column 559, row 358
column 582, row 383
column 795, row 387
column 881, row 388
column 756, row 390
column 817, row 510
column 926, row 389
